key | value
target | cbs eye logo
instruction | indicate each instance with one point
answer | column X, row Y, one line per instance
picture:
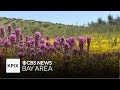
column 12, row 65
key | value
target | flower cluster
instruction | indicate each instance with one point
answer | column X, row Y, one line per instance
column 37, row 45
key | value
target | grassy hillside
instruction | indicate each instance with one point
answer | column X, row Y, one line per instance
column 47, row 28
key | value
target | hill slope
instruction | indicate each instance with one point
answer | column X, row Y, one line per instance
column 52, row 29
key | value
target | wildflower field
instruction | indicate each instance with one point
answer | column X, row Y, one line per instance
column 76, row 51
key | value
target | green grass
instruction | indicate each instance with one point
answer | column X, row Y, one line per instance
column 52, row 29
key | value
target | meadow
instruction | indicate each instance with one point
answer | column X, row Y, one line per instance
column 76, row 51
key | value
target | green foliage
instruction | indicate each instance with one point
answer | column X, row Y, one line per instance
column 105, row 65
column 47, row 28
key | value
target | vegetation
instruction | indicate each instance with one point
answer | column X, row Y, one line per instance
column 76, row 56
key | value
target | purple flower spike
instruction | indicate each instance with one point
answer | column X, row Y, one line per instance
column 59, row 39
column 48, row 44
column 9, row 29
column 2, row 28
column 13, row 38
column 62, row 39
column 66, row 45
column 40, row 51
column 32, row 41
column 42, row 41
column 29, row 43
column 42, row 46
column 21, row 43
column 88, row 39
column 20, row 49
column 75, row 51
column 2, row 31
column 57, row 47
column 37, row 34
column 32, row 50
column 72, row 39
column 52, row 48
column 20, row 55
column 7, row 43
column 81, row 40
column 18, row 31
column 56, row 42
column 88, row 43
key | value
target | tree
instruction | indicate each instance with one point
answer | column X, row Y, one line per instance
column 99, row 20
column 118, row 19
column 110, row 19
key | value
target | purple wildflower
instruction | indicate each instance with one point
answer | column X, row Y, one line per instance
column 48, row 44
column 52, row 48
column 20, row 49
column 32, row 41
column 2, row 31
column 59, row 39
column 29, row 43
column 13, row 38
column 57, row 47
column 42, row 46
column 88, row 43
column 75, row 50
column 37, row 34
column 20, row 55
column 56, row 42
column 71, row 41
column 21, row 42
column 32, row 50
column 9, row 29
column 66, row 45
column 42, row 41
column 37, row 38
column 40, row 52
column 68, row 41
column 21, row 37
column 18, row 33
column 7, row 43
column 2, row 41
column 62, row 39
column 81, row 40
column 88, row 39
